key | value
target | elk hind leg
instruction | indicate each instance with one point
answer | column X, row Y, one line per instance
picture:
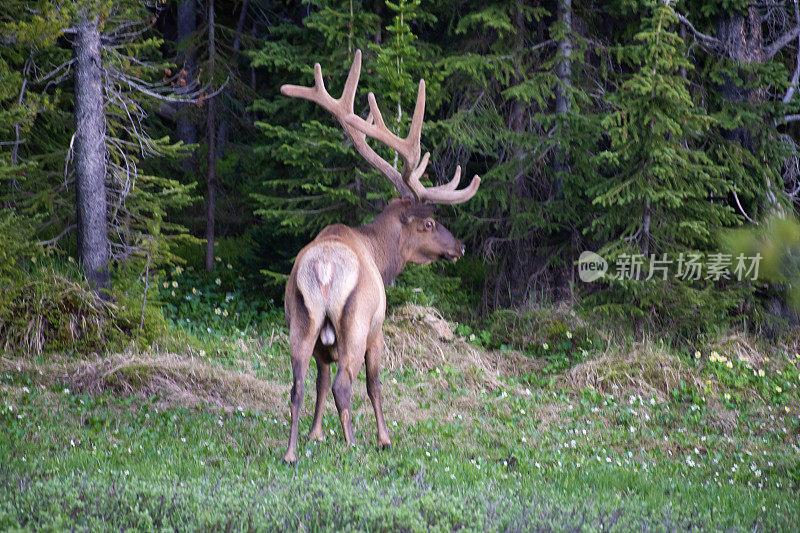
column 323, row 384
column 349, row 363
column 300, row 350
column 373, row 360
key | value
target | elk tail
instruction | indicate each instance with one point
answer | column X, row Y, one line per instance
column 324, row 272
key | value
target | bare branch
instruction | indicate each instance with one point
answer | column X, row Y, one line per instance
column 146, row 284
column 153, row 91
column 796, row 76
column 783, row 40
column 54, row 240
column 68, row 157
column 542, row 44
column 707, row 40
column 741, row 210
column 66, row 64
column 124, row 57
column 18, row 141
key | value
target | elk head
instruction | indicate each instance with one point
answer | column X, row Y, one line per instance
column 422, row 239
column 335, row 300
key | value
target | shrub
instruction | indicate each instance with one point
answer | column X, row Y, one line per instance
column 46, row 305
column 222, row 300
column 451, row 288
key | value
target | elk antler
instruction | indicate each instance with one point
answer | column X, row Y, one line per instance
column 340, row 109
column 356, row 128
column 409, row 150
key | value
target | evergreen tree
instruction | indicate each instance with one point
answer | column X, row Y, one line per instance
column 131, row 87
column 530, row 120
column 661, row 194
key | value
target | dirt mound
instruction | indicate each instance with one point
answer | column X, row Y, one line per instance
column 643, row 369
column 418, row 338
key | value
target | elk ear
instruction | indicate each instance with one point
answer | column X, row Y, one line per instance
column 406, row 204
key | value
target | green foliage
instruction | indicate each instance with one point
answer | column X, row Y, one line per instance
column 314, row 179
column 660, row 198
column 777, row 243
column 537, row 330
column 202, row 302
column 774, row 379
column 616, row 132
column 431, row 285
column 680, row 310
column 661, row 194
column 507, row 85
column 16, row 246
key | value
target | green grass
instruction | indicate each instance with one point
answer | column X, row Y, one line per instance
column 513, row 457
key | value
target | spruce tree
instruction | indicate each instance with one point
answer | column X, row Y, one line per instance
column 40, row 38
column 659, row 194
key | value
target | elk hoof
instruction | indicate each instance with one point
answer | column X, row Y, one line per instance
column 290, row 457
column 384, row 446
column 316, row 436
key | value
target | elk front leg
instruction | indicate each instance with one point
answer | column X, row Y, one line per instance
column 323, row 384
column 300, row 351
column 373, row 360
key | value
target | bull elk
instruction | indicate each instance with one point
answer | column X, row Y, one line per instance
column 335, row 299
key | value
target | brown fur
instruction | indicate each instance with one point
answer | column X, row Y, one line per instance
column 338, row 282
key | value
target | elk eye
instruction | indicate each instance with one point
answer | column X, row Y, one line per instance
column 429, row 224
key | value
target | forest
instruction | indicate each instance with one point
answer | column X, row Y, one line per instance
column 630, row 280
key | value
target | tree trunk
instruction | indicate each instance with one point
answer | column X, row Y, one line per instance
column 564, row 74
column 742, row 39
column 212, row 173
column 682, row 35
column 253, row 85
column 187, row 24
column 90, row 156
column 645, row 238
column 224, row 125
column 377, row 38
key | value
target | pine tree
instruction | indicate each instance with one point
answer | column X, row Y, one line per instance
column 660, row 192
column 529, row 121
column 131, row 88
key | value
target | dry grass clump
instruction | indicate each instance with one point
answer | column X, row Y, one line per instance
column 50, row 312
column 415, row 339
column 173, row 379
column 177, row 380
column 418, row 338
column 643, row 369
column 737, row 345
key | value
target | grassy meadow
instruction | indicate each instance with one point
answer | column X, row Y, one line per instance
column 558, row 428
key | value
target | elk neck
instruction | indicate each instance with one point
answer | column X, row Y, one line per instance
column 382, row 237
